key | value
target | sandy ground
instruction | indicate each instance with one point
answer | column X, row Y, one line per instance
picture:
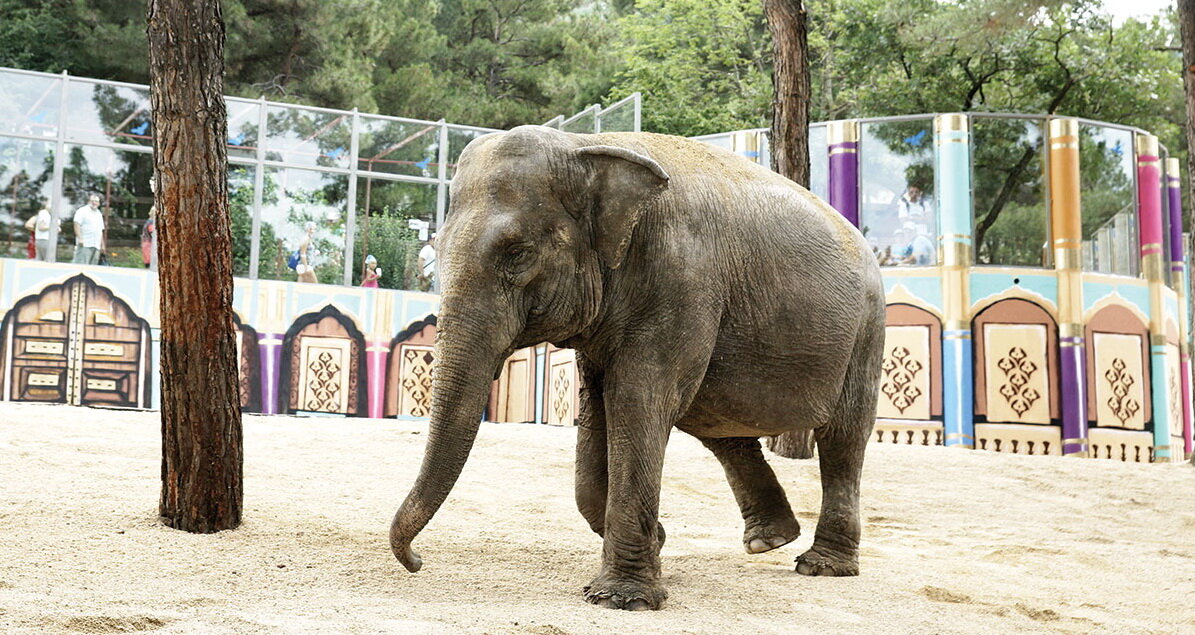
column 955, row 541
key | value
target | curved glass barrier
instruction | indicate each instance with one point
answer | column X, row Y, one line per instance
column 302, row 214
column 1011, row 219
column 385, row 211
column 29, row 104
column 897, row 212
column 99, row 112
column 26, row 173
column 1108, row 177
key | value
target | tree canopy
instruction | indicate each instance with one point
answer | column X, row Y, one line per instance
column 702, row 65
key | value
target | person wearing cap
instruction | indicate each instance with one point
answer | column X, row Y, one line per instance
column 427, row 264
column 372, row 273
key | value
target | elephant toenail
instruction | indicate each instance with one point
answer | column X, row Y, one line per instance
column 637, row 605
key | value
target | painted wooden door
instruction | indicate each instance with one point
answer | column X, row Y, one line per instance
column 325, row 361
column 76, row 343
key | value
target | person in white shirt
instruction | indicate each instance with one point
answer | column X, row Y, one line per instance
column 89, row 232
column 427, row 265
column 40, row 226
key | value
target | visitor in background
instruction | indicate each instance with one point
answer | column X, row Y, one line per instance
column 307, row 253
column 149, row 240
column 39, row 225
column 372, row 273
column 427, row 265
column 918, row 249
column 89, row 232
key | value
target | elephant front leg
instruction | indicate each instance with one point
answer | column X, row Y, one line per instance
column 591, row 475
column 768, row 519
column 636, row 438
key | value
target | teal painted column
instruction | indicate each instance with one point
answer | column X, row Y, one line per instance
column 952, row 174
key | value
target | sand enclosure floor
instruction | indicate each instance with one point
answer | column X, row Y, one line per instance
column 954, row 541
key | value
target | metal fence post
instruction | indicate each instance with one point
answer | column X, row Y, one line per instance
column 350, row 227
column 259, row 176
column 59, row 164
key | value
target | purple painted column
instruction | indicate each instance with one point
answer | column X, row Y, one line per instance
column 842, row 139
column 375, row 362
column 269, row 346
column 1179, row 282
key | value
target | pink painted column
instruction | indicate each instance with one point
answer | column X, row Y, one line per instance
column 376, row 353
column 1149, row 223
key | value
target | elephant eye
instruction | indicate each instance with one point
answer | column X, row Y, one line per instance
column 518, row 253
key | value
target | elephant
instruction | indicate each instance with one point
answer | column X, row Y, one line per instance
column 699, row 290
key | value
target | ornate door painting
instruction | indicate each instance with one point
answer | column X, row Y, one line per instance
column 561, row 398
column 248, row 366
column 1017, row 402
column 1016, row 362
column 326, row 365
column 910, row 383
column 1118, row 394
column 512, row 398
column 76, row 343
column 409, row 370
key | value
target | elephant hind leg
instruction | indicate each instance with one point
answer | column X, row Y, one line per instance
column 840, row 445
column 767, row 516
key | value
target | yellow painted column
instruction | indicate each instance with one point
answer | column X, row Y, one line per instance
column 1066, row 227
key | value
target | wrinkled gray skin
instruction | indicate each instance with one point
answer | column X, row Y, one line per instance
column 699, row 290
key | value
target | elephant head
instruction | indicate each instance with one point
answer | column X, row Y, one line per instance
column 537, row 220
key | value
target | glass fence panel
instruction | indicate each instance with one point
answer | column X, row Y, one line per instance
column 29, row 104
column 397, row 147
column 619, row 118
column 104, row 113
column 308, row 138
column 118, row 182
column 302, row 224
column 1009, row 194
column 584, row 123
column 722, row 141
column 394, row 224
column 1106, row 174
column 458, row 138
column 240, row 210
column 26, row 175
column 243, row 120
column 819, row 163
column 896, row 182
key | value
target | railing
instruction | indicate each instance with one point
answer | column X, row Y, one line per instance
column 365, row 184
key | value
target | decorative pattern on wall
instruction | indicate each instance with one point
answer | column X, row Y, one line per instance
column 1017, row 382
column 415, row 394
column 905, row 382
column 1174, row 393
column 325, row 369
column 1120, row 386
column 562, row 394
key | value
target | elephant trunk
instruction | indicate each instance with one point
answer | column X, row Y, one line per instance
column 467, row 352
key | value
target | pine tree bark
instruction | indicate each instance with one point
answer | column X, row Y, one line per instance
column 790, row 138
column 201, row 418
column 1186, row 23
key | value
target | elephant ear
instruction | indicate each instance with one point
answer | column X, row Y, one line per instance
column 626, row 181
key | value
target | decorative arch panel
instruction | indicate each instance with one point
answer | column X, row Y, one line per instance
column 409, row 370
column 324, row 370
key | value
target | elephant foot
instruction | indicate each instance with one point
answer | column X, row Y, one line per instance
column 768, row 535
column 819, row 562
column 629, row 595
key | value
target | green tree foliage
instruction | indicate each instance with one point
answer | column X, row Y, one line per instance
column 702, row 66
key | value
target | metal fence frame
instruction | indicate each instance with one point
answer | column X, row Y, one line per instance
column 260, row 162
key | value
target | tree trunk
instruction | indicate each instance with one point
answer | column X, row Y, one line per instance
column 1186, row 23
column 201, row 418
column 790, row 86
column 790, row 138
